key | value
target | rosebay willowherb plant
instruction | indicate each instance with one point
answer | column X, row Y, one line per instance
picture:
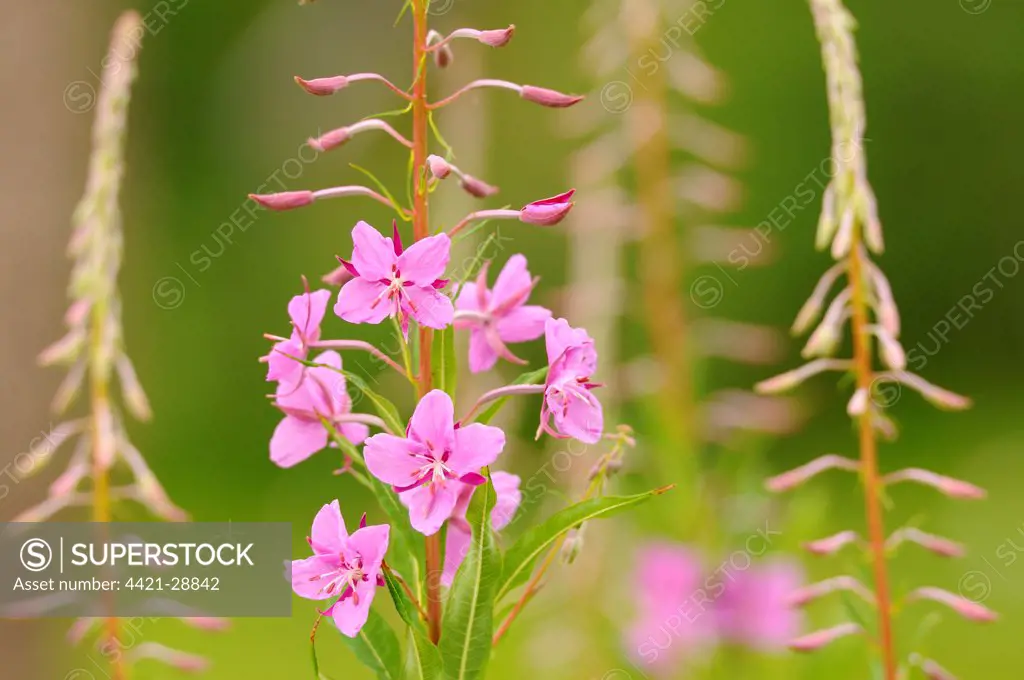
column 849, row 225
column 106, row 469
column 432, row 475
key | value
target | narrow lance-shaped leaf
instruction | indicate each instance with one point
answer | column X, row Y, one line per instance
column 428, row 658
column 468, row 618
column 444, row 366
column 520, row 557
column 377, row 648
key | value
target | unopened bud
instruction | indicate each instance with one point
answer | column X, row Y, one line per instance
column 330, row 140
column 476, row 187
column 549, row 211
column 826, row 636
column 572, row 546
column 322, row 87
column 961, row 605
column 549, row 98
column 498, row 37
column 286, row 200
column 439, row 167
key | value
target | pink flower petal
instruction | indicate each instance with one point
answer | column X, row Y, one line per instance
column 429, row 307
column 355, row 432
column 476, row 446
column 371, row 543
column 433, row 420
column 425, row 261
column 306, row 581
column 560, row 336
column 430, row 505
column 482, row 356
column 360, row 301
column 372, row 253
column 351, row 613
column 295, row 440
column 469, row 300
column 328, row 535
column 512, row 282
column 455, row 550
column 509, row 497
column 583, row 419
column 280, row 365
column 307, row 312
column 390, row 459
column 523, row 324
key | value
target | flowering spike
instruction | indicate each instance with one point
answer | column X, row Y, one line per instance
column 549, row 98
column 954, row 488
column 818, row 639
column 287, row 200
column 961, row 605
column 798, row 476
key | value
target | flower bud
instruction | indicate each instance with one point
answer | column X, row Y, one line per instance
column 476, row 187
column 322, row 87
column 549, row 98
column 858, row 402
column 439, row 167
column 497, row 37
column 330, row 140
column 832, row 544
column 286, row 200
column 961, row 605
column 549, row 211
column 823, row 637
column 443, row 55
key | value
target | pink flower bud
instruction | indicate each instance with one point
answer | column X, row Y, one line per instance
column 498, row 37
column 443, row 56
column 439, row 167
column 832, row 544
column 322, row 87
column 210, row 623
column 821, row 638
column 858, row 404
column 286, row 200
column 797, row 476
column 961, row 605
column 954, row 488
column 476, row 187
column 931, row 669
column 330, row 140
column 549, row 211
column 836, row 584
column 550, row 98
column 936, row 544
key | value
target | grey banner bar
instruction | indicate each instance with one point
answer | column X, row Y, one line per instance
column 52, row 570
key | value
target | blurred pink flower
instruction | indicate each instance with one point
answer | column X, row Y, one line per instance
column 670, row 627
column 390, row 281
column 429, row 467
column 306, row 312
column 568, row 400
column 506, row 487
column 755, row 609
column 499, row 315
column 320, row 394
column 342, row 566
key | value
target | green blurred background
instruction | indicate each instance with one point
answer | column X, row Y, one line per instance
column 215, row 114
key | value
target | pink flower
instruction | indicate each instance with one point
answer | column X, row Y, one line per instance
column 320, row 394
column 342, row 566
column 306, row 312
column 429, row 467
column 672, row 623
column 568, row 400
column 549, row 211
column 499, row 315
column 756, row 608
column 392, row 282
column 506, row 487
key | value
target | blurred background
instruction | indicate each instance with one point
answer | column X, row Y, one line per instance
column 215, row 115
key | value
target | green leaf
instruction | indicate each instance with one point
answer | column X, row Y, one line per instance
column 530, row 378
column 385, row 409
column 443, row 364
column 520, row 557
column 377, row 648
column 428, row 658
column 467, row 625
